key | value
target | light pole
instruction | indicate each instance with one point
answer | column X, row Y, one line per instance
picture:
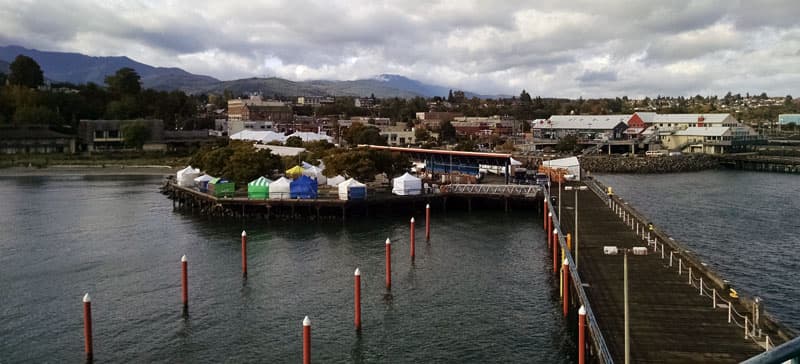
column 576, row 189
column 613, row 250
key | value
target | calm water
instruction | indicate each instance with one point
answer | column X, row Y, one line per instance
column 746, row 225
column 479, row 292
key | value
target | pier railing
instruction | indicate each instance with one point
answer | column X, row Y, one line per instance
column 501, row 190
column 596, row 336
column 754, row 321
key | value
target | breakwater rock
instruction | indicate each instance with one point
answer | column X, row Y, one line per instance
column 641, row 164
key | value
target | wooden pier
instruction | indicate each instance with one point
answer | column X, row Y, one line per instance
column 328, row 205
column 672, row 319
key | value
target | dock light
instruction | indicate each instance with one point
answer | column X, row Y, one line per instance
column 576, row 189
column 638, row 250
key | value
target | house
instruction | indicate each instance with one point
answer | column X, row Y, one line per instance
column 34, row 139
column 107, row 135
column 582, row 126
column 257, row 109
column 364, row 102
column 400, row 136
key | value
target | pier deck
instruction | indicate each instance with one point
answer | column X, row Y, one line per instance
column 670, row 321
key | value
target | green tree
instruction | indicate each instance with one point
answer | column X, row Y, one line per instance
column 447, row 132
column 125, row 108
column 363, row 134
column 35, row 115
column 24, row 71
column 247, row 163
column 135, row 134
column 124, row 82
column 294, row 141
column 363, row 164
column 3, row 78
column 568, row 143
column 525, row 97
column 466, row 146
column 421, row 135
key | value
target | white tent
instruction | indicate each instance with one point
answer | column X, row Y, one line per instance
column 352, row 189
column 315, row 173
column 264, row 136
column 187, row 175
column 310, row 137
column 335, row 181
column 571, row 164
column 407, row 185
column 515, row 162
column 279, row 189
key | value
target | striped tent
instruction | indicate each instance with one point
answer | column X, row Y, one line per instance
column 258, row 189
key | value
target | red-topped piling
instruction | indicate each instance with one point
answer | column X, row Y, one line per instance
column 306, row 341
column 244, row 253
column 388, row 264
column 427, row 222
column 357, row 299
column 184, row 283
column 565, row 298
column 581, row 335
column 412, row 238
column 87, row 327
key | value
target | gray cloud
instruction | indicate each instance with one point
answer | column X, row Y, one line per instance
column 550, row 47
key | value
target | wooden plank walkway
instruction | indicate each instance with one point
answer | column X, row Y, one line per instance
column 670, row 321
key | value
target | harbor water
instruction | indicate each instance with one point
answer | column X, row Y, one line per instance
column 479, row 292
column 745, row 225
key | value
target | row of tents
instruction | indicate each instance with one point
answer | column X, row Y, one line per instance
column 302, row 187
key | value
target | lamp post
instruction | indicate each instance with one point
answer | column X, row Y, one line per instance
column 576, row 189
column 613, row 250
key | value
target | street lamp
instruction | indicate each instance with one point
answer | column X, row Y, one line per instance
column 613, row 250
column 576, row 189
column 568, row 177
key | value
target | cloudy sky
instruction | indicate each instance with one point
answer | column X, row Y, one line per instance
column 561, row 48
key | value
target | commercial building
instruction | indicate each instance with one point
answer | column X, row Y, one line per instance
column 786, row 119
column 107, row 135
column 257, row 109
column 582, row 126
column 34, row 139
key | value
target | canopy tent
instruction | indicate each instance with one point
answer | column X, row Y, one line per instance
column 187, row 175
column 335, row 181
column 406, row 185
column 306, row 165
column 571, row 165
column 515, row 162
column 303, row 188
column 352, row 190
column 279, row 189
column 258, row 189
column 202, row 182
column 221, row 187
column 262, row 136
column 316, row 174
column 310, row 137
column 294, row 172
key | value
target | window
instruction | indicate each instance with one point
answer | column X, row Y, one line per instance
column 113, row 133
column 99, row 134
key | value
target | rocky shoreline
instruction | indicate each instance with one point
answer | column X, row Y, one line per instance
column 641, row 164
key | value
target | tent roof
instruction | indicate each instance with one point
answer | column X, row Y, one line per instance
column 295, row 170
column 203, row 178
column 352, row 183
column 563, row 162
column 515, row 162
column 407, row 177
column 217, row 181
column 283, row 181
column 260, row 181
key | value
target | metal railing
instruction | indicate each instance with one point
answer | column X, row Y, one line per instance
column 699, row 277
column 503, row 190
column 594, row 329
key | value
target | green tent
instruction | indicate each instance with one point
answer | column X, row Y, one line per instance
column 258, row 189
column 221, row 188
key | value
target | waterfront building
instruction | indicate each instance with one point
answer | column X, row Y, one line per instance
column 582, row 126
column 107, row 135
column 34, row 139
column 785, row 119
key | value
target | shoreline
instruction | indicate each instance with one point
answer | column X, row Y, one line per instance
column 89, row 170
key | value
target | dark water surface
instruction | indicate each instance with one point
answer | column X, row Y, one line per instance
column 479, row 292
column 746, row 225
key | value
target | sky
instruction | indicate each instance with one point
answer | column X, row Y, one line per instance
column 551, row 48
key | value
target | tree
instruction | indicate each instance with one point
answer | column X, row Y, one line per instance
column 567, row 144
column 466, row 146
column 447, row 132
column 124, row 82
column 294, row 141
column 135, row 134
column 35, row 115
column 24, row 71
column 421, row 135
column 363, row 134
column 3, row 78
column 525, row 97
column 363, row 164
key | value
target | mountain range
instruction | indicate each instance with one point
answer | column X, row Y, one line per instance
column 78, row 68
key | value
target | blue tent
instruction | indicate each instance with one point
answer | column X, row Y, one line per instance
column 303, row 187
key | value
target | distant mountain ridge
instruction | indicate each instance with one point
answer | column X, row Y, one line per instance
column 79, row 69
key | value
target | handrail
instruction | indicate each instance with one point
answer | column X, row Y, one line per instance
column 789, row 350
column 594, row 328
